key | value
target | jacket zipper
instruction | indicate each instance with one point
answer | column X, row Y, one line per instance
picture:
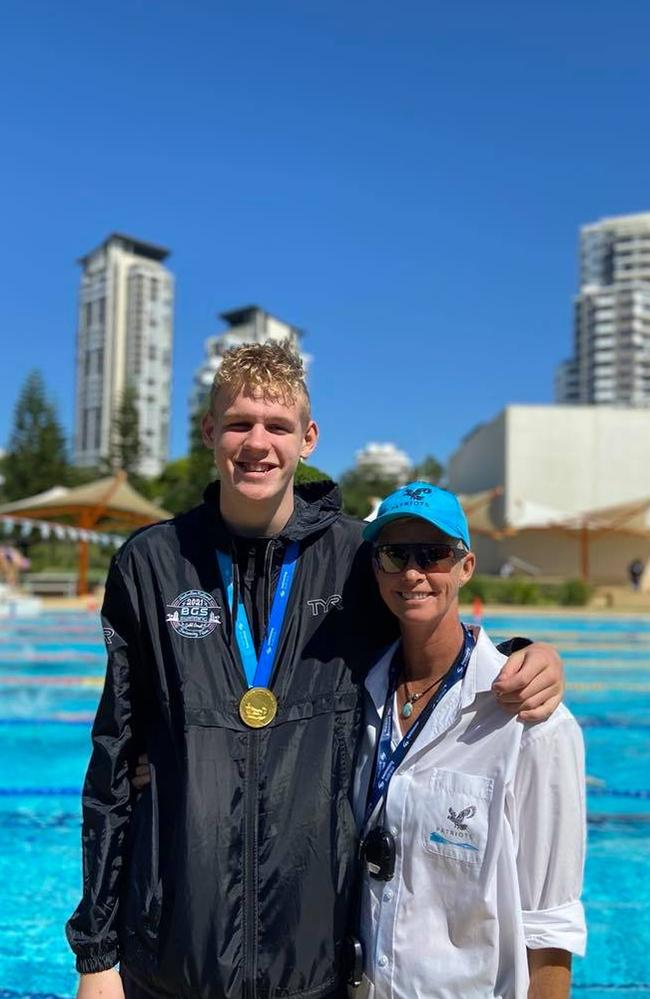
column 251, row 830
column 250, row 899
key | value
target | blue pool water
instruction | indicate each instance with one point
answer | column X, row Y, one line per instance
column 50, row 676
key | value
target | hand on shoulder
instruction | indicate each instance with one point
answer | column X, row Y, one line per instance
column 531, row 683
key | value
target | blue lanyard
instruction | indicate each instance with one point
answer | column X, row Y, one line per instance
column 258, row 671
column 387, row 761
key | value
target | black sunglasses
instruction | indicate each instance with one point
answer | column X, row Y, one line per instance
column 427, row 557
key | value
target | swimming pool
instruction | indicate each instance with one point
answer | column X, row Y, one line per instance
column 50, row 675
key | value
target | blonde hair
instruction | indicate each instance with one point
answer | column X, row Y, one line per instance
column 273, row 368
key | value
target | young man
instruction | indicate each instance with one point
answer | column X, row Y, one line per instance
column 237, row 637
column 473, row 824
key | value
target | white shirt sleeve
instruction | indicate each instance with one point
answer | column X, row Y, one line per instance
column 549, row 798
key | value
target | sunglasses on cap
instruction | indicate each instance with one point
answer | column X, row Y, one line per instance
column 427, row 557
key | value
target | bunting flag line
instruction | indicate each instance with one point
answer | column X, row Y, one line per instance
column 26, row 527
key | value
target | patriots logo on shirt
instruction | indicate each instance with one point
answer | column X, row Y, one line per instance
column 457, row 817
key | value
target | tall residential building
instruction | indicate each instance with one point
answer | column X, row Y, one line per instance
column 249, row 324
column 125, row 331
column 611, row 360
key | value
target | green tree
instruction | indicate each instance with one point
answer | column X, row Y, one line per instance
column 309, row 473
column 182, row 482
column 360, row 486
column 36, row 457
column 429, row 470
column 201, row 460
column 126, row 449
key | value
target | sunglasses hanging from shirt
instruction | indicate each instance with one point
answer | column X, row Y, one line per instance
column 378, row 844
column 258, row 706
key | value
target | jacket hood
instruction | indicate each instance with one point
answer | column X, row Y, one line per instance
column 316, row 506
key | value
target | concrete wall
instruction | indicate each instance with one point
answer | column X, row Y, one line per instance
column 479, row 462
column 566, row 458
column 570, row 458
column 576, row 458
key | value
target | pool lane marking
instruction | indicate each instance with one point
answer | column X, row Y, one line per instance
column 608, row 687
column 16, row 680
column 38, row 792
column 58, row 718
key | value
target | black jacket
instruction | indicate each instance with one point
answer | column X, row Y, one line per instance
column 230, row 875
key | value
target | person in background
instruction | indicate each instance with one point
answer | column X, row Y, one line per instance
column 12, row 563
column 635, row 572
column 237, row 636
column 473, row 824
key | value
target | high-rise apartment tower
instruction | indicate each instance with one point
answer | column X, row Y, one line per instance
column 125, row 331
column 611, row 360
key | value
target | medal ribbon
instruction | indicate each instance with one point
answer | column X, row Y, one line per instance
column 258, row 671
column 387, row 761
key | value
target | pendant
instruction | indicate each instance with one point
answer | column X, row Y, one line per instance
column 258, row 707
column 407, row 710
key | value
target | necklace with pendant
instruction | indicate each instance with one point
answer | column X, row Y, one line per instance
column 407, row 707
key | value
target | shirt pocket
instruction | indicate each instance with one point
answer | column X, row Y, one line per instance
column 457, row 813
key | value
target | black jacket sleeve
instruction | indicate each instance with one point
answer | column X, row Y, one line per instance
column 513, row 645
column 92, row 929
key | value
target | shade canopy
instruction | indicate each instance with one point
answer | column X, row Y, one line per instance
column 110, row 502
column 111, row 498
column 630, row 519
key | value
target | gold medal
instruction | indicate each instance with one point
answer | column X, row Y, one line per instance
column 258, row 707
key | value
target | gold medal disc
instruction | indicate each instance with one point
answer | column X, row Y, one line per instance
column 258, row 707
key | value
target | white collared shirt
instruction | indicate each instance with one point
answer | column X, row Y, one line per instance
column 488, row 814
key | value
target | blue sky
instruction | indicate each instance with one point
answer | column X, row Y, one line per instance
column 405, row 182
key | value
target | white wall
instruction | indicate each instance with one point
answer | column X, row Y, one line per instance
column 479, row 462
column 570, row 458
column 566, row 458
column 576, row 458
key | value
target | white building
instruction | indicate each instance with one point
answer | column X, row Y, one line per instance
column 385, row 460
column 611, row 361
column 125, row 332
column 554, row 461
column 249, row 324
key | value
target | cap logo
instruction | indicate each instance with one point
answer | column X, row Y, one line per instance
column 418, row 493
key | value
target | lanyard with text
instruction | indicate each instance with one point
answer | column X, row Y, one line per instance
column 387, row 761
column 258, row 706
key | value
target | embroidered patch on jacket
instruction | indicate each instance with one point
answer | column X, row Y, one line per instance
column 193, row 614
column 109, row 635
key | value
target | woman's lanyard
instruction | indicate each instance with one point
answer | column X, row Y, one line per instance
column 386, row 760
column 258, row 670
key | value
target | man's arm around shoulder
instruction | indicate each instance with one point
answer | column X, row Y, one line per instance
column 101, row 985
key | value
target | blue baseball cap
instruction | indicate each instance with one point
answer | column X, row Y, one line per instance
column 421, row 499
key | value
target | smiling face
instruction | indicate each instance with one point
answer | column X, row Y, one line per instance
column 257, row 442
column 414, row 595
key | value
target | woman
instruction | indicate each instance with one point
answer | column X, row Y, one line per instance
column 472, row 822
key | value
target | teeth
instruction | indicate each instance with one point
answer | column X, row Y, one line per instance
column 255, row 468
column 415, row 596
